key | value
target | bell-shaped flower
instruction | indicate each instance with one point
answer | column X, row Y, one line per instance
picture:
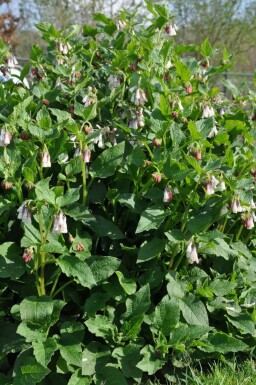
column 168, row 195
column 213, row 132
column 46, row 159
column 139, row 97
column 5, row 138
column 24, row 213
column 191, row 253
column 60, row 224
column 113, row 82
column 86, row 155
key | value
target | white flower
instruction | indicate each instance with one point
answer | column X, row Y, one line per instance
column 252, row 204
column 12, row 62
column 5, row 138
column 24, row 213
column 133, row 123
column 224, row 210
column 113, row 82
column 168, row 195
column 209, row 190
column 214, row 182
column 60, row 224
column 46, row 159
column 213, row 132
column 86, row 156
column 191, row 253
column 77, row 152
column 120, row 25
column 222, row 186
column 139, row 97
column 208, row 112
column 248, row 305
column 180, row 105
column 168, row 64
column 170, row 30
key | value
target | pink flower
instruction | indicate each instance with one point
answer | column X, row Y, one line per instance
column 28, row 254
column 168, row 195
column 86, row 156
column 209, row 190
column 157, row 176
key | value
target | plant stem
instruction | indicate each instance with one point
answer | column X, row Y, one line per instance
column 62, row 287
column 188, row 207
column 83, row 174
column 239, row 232
column 54, row 285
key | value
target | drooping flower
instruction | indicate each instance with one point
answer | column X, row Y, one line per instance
column 120, row 24
column 213, row 132
column 208, row 112
column 86, row 155
column 168, row 195
column 11, row 62
column 133, row 123
column 248, row 221
column 113, row 82
column 191, row 253
column 171, row 30
column 5, row 138
column 28, row 254
column 139, row 97
column 222, row 186
column 24, row 213
column 46, row 159
column 236, row 206
column 209, row 190
column 60, row 224
column 140, row 119
column 157, row 176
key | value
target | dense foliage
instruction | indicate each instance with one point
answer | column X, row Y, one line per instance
column 127, row 212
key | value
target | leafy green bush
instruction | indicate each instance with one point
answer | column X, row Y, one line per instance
column 127, row 213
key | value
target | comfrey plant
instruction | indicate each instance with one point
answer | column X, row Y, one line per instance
column 127, row 208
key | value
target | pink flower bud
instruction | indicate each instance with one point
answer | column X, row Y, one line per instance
column 157, row 177
column 86, row 156
column 168, row 195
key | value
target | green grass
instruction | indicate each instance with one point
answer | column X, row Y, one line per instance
column 222, row 374
column 217, row 374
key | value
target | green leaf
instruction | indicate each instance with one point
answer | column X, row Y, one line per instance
column 40, row 311
column 223, row 343
column 174, row 288
column 127, row 358
column 10, row 341
column 43, row 192
column 43, row 351
column 222, row 287
column 91, row 272
column 194, row 311
column 107, row 162
column 150, row 249
column 206, row 48
column 128, row 284
column 183, row 71
column 101, row 326
column 78, row 379
column 71, row 196
column 195, row 134
column 103, row 227
column 131, row 328
column 112, row 376
column 151, row 218
column 27, row 371
column 11, row 263
column 244, row 323
column 138, row 303
column 72, row 333
column 166, row 315
column 150, row 362
column 62, row 116
column 103, row 267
